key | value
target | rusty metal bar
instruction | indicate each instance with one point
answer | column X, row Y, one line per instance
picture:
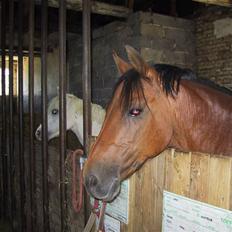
column 86, row 76
column 20, row 118
column 86, row 84
column 44, row 26
column 11, row 119
column 32, row 166
column 1, row 173
column 62, row 109
column 3, row 113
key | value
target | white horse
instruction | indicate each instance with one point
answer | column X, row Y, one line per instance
column 74, row 106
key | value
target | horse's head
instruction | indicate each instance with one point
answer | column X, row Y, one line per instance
column 137, row 126
column 72, row 107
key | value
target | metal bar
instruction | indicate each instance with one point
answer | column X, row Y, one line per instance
column 20, row 118
column 32, row 166
column 86, row 75
column 44, row 26
column 1, row 172
column 11, row 119
column 62, row 111
column 25, row 53
column 86, row 84
column 3, row 109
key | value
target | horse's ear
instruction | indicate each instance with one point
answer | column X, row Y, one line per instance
column 136, row 60
column 122, row 65
column 57, row 90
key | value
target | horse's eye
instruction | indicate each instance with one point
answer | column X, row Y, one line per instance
column 135, row 112
column 54, row 111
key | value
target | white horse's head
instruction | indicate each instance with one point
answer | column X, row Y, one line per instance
column 74, row 115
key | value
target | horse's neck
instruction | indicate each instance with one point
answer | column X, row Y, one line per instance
column 77, row 127
column 203, row 121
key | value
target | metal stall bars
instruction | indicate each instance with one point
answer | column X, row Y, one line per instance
column 45, row 194
column 11, row 119
column 62, row 111
column 86, row 84
column 32, row 166
column 1, row 187
column 4, row 159
column 20, row 119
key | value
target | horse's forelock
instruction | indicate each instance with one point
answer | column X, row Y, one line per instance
column 131, row 86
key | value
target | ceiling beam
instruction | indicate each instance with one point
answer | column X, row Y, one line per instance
column 130, row 4
column 97, row 7
column 227, row 3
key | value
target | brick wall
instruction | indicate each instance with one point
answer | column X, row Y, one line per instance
column 214, row 45
column 159, row 38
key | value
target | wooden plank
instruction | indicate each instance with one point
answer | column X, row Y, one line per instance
column 220, row 182
column 97, row 7
column 135, row 202
column 160, row 183
column 199, row 177
column 178, row 173
column 230, row 207
column 130, row 4
column 146, row 196
column 227, row 3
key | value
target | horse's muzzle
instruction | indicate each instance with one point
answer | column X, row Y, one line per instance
column 106, row 188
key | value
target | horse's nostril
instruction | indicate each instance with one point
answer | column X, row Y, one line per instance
column 92, row 180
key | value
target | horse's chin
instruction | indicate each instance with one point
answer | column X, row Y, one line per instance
column 113, row 192
column 110, row 195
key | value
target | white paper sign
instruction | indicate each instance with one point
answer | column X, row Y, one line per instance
column 183, row 214
column 119, row 207
column 111, row 224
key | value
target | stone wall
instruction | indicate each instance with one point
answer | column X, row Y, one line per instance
column 214, row 45
column 159, row 38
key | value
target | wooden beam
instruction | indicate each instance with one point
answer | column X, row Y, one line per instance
column 227, row 3
column 97, row 7
column 130, row 4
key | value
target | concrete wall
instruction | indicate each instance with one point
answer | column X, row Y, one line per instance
column 159, row 38
column 214, row 45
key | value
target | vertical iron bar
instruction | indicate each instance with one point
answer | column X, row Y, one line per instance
column 86, row 76
column 3, row 108
column 11, row 123
column 44, row 26
column 62, row 107
column 31, row 113
column 20, row 119
column 86, row 80
column 1, row 173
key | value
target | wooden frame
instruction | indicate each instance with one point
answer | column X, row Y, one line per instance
column 97, row 7
column 227, row 3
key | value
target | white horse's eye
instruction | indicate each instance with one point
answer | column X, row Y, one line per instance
column 135, row 112
column 54, row 111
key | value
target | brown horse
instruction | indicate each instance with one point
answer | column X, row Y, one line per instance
column 154, row 108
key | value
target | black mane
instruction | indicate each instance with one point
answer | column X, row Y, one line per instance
column 169, row 77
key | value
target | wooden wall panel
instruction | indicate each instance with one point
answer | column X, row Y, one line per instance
column 202, row 177
column 199, row 177
column 219, row 182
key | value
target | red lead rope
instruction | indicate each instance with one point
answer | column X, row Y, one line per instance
column 100, row 214
column 77, row 201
